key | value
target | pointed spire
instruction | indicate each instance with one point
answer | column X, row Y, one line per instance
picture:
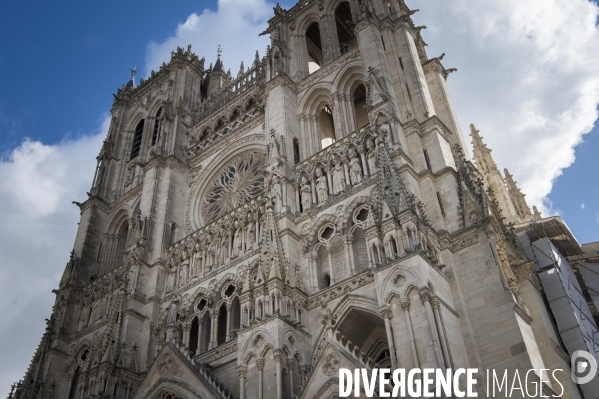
column 271, row 259
column 482, row 153
column 517, row 197
column 134, row 366
column 536, row 215
column 492, row 177
column 131, row 82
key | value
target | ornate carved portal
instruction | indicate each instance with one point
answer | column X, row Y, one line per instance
column 235, row 184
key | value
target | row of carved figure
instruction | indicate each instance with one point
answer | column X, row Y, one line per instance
column 334, row 178
column 212, row 251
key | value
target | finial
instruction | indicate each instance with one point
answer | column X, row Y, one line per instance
column 219, row 51
column 133, row 72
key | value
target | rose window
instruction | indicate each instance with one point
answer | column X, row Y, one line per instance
column 236, row 184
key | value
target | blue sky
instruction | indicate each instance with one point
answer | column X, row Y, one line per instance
column 527, row 78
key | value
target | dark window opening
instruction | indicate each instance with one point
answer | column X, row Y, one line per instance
column 235, row 115
column 359, row 103
column 326, row 127
column 327, row 233
column 155, row 136
column 345, row 34
column 427, row 160
column 401, row 63
column 201, row 305
column 219, row 125
column 327, row 280
column 362, row 215
column 383, row 41
column 314, row 45
column 99, row 253
column 229, row 291
column 138, row 135
column 440, row 203
column 408, row 90
column 296, row 151
column 193, row 336
column 221, row 335
column 250, row 104
column 74, row 384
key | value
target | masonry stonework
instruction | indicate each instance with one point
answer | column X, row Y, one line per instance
column 248, row 236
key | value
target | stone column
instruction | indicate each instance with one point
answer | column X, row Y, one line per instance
column 277, row 354
column 303, row 369
column 425, row 296
column 364, row 163
column 200, row 323
column 314, row 200
column 346, row 170
column 260, row 366
column 387, row 315
column 330, row 257
column 304, row 137
column 329, row 177
column 405, row 305
column 437, row 313
column 337, row 118
column 214, row 330
column 349, row 255
column 228, row 307
column 290, row 372
column 241, row 370
column 186, row 329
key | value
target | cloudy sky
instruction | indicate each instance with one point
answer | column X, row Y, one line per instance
column 527, row 78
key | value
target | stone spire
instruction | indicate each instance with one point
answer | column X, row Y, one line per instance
column 517, row 197
column 492, row 177
column 271, row 259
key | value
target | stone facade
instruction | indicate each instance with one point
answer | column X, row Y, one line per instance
column 246, row 237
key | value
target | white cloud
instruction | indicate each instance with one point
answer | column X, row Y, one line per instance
column 582, row 206
column 38, row 182
column 527, row 78
column 235, row 25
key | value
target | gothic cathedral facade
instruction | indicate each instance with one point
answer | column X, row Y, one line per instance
column 246, row 237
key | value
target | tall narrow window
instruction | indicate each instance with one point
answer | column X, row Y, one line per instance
column 383, row 41
column 296, row 151
column 326, row 127
column 427, row 160
column 359, row 103
column 155, row 136
column 401, row 63
column 314, row 45
column 138, row 135
column 408, row 90
column 440, row 203
column 343, row 20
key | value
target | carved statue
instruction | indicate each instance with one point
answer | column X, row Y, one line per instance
column 171, row 317
column 237, row 244
column 306, row 193
column 84, row 315
column 371, row 157
column 170, row 282
column 338, row 177
column 276, row 194
column 183, row 269
column 355, row 169
column 250, row 235
column 322, row 188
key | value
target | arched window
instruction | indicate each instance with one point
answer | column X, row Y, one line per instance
column 138, row 135
column 359, row 97
column 122, row 243
column 74, row 384
column 314, row 45
column 326, row 127
column 343, row 20
column 221, row 335
column 156, row 136
column 193, row 336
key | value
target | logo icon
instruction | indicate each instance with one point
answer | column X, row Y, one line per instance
column 583, row 367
